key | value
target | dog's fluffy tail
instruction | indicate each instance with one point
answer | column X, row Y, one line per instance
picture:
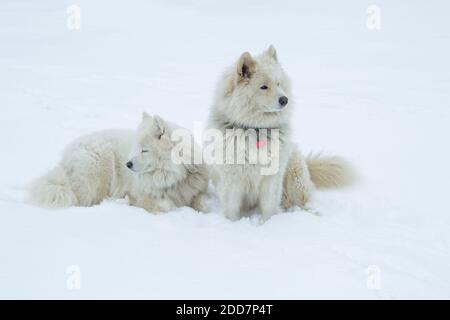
column 53, row 190
column 330, row 171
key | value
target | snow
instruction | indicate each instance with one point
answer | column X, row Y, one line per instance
column 378, row 97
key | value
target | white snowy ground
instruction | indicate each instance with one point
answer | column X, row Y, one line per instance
column 381, row 98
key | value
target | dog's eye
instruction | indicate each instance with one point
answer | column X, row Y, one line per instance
column 264, row 87
column 144, row 150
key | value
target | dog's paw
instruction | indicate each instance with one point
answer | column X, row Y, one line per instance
column 311, row 210
column 164, row 205
column 202, row 202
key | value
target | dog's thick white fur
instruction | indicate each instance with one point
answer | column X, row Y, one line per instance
column 118, row 164
column 255, row 94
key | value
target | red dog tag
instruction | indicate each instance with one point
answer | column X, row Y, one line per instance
column 261, row 143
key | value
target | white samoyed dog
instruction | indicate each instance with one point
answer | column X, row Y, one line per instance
column 253, row 106
column 124, row 164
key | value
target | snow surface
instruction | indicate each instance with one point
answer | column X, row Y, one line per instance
column 380, row 98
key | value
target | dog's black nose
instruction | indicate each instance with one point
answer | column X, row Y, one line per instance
column 283, row 101
column 129, row 164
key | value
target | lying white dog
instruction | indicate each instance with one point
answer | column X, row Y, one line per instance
column 121, row 163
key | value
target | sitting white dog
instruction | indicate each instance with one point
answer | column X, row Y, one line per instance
column 253, row 103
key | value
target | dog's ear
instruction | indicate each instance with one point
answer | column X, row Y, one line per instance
column 160, row 125
column 146, row 116
column 272, row 52
column 246, row 66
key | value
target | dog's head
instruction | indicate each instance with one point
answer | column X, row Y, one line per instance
column 151, row 154
column 258, row 91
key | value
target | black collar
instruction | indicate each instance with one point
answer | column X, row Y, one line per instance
column 245, row 128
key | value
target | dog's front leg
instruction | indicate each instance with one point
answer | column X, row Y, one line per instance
column 231, row 197
column 270, row 196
